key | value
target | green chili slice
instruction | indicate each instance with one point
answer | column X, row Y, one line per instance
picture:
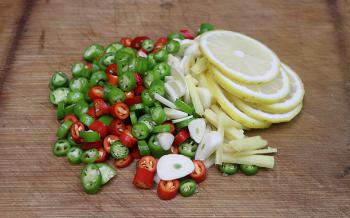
column 86, row 119
column 187, row 187
column 89, row 156
column 140, row 131
column 61, row 147
column 143, row 148
column 63, row 129
column 89, row 136
column 118, row 150
column 91, row 178
column 106, row 119
column 161, row 128
column 74, row 155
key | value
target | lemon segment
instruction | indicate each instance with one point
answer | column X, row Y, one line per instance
column 266, row 93
column 292, row 100
column 231, row 109
column 264, row 116
column 240, row 57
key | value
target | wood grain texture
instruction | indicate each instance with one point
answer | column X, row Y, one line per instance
column 311, row 178
column 10, row 18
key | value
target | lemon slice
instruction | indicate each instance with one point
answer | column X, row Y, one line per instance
column 240, row 57
column 264, row 116
column 266, row 93
column 231, row 109
column 292, row 100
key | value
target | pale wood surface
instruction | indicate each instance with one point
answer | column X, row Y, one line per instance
column 311, row 178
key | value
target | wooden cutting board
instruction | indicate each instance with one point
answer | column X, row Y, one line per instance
column 311, row 177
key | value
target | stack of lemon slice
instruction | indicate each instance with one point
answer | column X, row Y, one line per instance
column 248, row 80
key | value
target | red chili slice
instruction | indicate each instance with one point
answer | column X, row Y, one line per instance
column 137, row 41
column 162, row 40
column 122, row 163
column 111, row 69
column 120, row 110
column 112, row 79
column 172, row 126
column 88, row 66
column 96, row 92
column 199, row 172
column 186, row 33
column 128, row 139
column 135, row 153
column 139, row 80
column 148, row 162
column 74, row 131
column 102, row 155
column 167, row 190
column 116, row 127
column 99, row 127
column 89, row 145
column 101, row 107
column 91, row 112
column 143, row 178
column 182, row 136
column 108, row 141
column 70, row 117
column 128, row 127
column 134, row 100
column 126, row 41
column 138, row 90
column 160, row 43
column 129, row 95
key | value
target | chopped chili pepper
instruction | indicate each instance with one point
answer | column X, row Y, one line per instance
column 143, row 148
column 91, row 112
column 112, row 69
column 143, row 178
column 129, row 94
column 137, row 41
column 182, row 136
column 99, row 127
column 102, row 155
column 74, row 131
column 148, row 162
column 106, row 119
column 135, row 153
column 120, row 110
column 96, row 92
column 112, row 79
column 108, row 140
column 128, row 127
column 126, row 41
column 70, row 117
column 128, row 139
column 138, row 90
column 116, row 127
column 89, row 136
column 89, row 145
column 134, row 100
column 199, row 172
column 64, row 129
column 101, row 107
column 122, row 163
column 160, row 43
column 139, row 80
column 186, row 33
column 167, row 190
